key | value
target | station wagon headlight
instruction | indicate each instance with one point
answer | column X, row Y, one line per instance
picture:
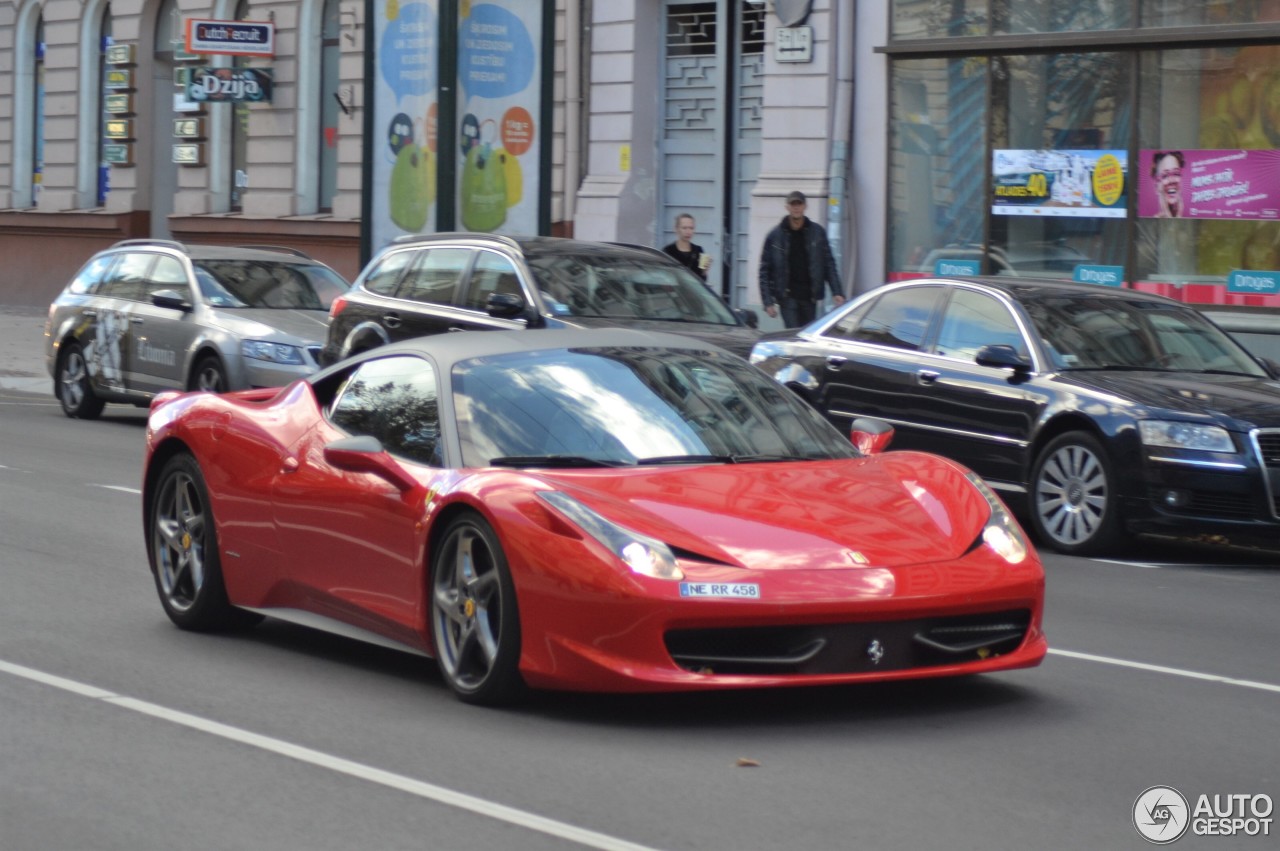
column 1174, row 435
column 644, row 555
column 1001, row 532
column 272, row 352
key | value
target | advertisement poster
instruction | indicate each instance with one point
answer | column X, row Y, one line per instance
column 404, row 142
column 499, row 100
column 1082, row 183
column 1209, row 184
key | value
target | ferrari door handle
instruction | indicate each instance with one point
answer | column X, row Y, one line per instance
column 836, row 361
column 927, row 376
column 391, row 320
column 289, row 464
column 453, row 328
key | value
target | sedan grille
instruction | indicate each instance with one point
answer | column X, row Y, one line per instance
column 847, row 648
column 314, row 351
column 1268, row 445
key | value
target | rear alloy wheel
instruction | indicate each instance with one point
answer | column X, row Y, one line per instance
column 74, row 389
column 1074, row 505
column 184, row 551
column 474, row 621
column 210, row 376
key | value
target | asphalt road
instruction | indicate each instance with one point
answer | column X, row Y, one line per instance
column 118, row 731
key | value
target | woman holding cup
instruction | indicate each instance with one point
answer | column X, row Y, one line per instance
column 686, row 251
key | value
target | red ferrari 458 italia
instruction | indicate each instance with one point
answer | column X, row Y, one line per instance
column 591, row 510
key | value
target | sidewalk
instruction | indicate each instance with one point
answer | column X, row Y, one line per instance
column 22, row 350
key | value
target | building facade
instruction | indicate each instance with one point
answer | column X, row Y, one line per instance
column 1034, row 136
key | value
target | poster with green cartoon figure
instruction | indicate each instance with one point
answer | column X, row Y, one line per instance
column 499, row 77
column 404, row 146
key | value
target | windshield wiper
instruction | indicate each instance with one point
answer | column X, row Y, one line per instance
column 715, row 459
column 554, row 461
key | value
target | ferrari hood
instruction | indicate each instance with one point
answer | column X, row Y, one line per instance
column 889, row 510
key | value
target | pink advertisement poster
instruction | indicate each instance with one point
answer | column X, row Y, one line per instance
column 1209, row 184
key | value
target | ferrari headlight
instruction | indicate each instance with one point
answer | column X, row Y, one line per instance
column 644, row 555
column 1205, row 438
column 273, row 352
column 1001, row 533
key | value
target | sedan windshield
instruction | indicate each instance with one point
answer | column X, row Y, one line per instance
column 620, row 406
column 268, row 284
column 1106, row 333
column 623, row 285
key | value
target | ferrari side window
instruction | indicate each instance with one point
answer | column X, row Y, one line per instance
column 395, row 400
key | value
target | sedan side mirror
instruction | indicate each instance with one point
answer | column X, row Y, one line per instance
column 171, row 299
column 505, row 305
column 870, row 436
column 749, row 317
column 1002, row 357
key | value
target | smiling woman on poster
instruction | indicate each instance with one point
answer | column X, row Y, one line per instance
column 1166, row 170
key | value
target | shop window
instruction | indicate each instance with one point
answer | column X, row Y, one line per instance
column 937, row 160
column 932, row 19
column 1192, row 13
column 1208, row 148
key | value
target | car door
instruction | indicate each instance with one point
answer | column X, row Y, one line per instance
column 354, row 542
column 110, row 355
column 871, row 364
column 427, row 299
column 491, row 273
column 982, row 416
column 162, row 336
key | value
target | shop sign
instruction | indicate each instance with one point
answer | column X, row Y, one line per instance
column 118, row 78
column 1070, row 182
column 234, row 38
column 120, row 54
column 188, row 128
column 793, row 44
column 192, row 154
column 118, row 153
column 1209, row 184
column 222, row 85
column 118, row 128
column 118, row 104
column 1254, row 283
column 946, row 268
column 1107, row 276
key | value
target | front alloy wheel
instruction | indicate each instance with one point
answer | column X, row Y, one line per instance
column 1074, row 501
column 473, row 614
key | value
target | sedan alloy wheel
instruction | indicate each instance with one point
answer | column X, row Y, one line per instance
column 1074, row 506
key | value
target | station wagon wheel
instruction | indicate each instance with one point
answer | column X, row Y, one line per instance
column 474, row 621
column 210, row 376
column 73, row 387
column 183, row 549
column 1075, row 506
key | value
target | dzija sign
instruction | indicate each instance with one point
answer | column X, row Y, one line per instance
column 214, row 85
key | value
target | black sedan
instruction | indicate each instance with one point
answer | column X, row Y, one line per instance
column 1094, row 410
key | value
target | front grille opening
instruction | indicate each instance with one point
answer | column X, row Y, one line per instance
column 849, row 647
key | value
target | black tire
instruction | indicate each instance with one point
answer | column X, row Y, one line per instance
column 474, row 620
column 183, row 549
column 1074, row 503
column 72, row 385
column 209, row 375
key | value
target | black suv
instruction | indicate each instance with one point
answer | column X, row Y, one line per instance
column 420, row 285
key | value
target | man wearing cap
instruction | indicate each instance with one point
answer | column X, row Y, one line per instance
column 797, row 267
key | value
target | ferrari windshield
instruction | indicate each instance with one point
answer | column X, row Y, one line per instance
column 1107, row 333
column 268, row 284
column 624, row 285
column 618, row 406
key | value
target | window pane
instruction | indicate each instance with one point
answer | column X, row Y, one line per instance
column 1208, row 141
column 974, row 320
column 394, row 400
column 937, row 158
column 493, row 273
column 435, row 277
column 900, row 318
column 920, row 19
column 1055, row 16
column 386, row 275
column 1190, row 13
column 1060, row 123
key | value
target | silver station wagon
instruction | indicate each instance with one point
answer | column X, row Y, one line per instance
column 146, row 316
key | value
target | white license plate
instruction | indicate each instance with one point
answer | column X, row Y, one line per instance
column 738, row 590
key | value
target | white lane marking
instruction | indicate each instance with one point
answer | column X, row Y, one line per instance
column 1145, row 564
column 1161, row 669
column 115, row 488
column 439, row 794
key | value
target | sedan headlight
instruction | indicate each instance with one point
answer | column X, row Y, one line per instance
column 1001, row 533
column 273, row 352
column 644, row 555
column 1205, row 438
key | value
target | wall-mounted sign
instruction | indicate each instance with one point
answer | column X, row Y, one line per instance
column 118, row 153
column 188, row 128
column 216, row 85
column 793, row 44
column 181, row 76
column 192, row 154
column 1087, row 184
column 118, row 128
column 235, row 38
column 180, row 53
column 120, row 54
column 118, row 104
column 118, row 78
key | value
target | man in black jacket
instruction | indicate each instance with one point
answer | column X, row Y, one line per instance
column 797, row 267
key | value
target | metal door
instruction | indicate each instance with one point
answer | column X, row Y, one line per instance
column 710, row 135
